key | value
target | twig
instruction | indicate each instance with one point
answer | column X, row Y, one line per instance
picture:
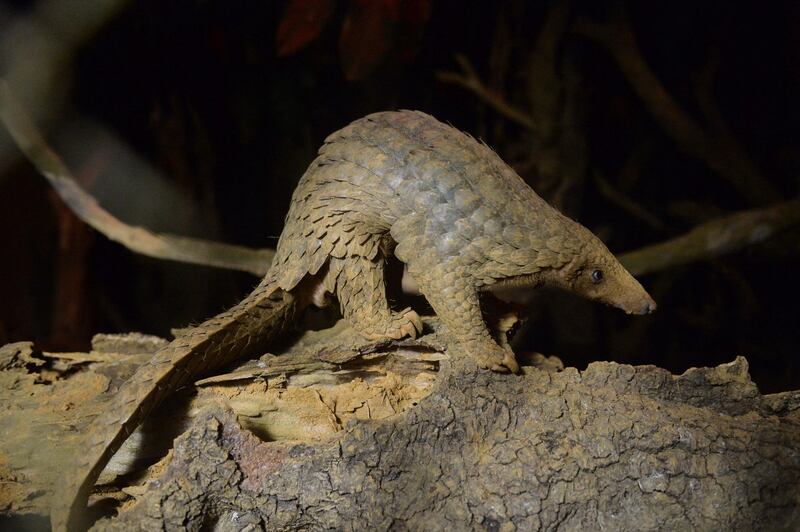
column 469, row 80
column 626, row 203
column 545, row 86
column 721, row 153
column 137, row 239
column 714, row 238
column 708, row 240
column 704, row 91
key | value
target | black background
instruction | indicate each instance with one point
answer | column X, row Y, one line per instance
column 196, row 92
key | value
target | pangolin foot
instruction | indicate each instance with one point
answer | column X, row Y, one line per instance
column 498, row 359
column 405, row 323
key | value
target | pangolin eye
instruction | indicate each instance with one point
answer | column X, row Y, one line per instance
column 597, row 276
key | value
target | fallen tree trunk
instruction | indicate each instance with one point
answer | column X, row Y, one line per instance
column 404, row 436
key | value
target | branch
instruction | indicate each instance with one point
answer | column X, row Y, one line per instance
column 715, row 238
column 739, row 230
column 137, row 239
column 633, row 447
column 721, row 153
column 631, row 206
column 306, row 441
column 469, row 80
column 545, row 85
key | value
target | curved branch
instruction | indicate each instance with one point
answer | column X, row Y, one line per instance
column 712, row 239
column 469, row 79
column 715, row 238
column 723, row 154
column 137, row 239
column 626, row 203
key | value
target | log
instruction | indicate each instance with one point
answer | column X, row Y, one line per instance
column 336, row 434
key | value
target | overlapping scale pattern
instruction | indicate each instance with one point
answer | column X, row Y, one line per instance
column 451, row 209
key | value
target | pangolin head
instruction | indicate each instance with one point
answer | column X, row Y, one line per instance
column 594, row 273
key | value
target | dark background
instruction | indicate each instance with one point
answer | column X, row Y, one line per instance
column 199, row 116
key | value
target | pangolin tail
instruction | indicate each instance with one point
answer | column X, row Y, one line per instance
column 244, row 329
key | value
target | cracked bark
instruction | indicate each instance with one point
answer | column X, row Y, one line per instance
column 611, row 447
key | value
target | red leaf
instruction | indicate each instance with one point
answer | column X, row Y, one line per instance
column 392, row 8
column 414, row 16
column 374, row 28
column 416, row 13
column 366, row 36
column 301, row 23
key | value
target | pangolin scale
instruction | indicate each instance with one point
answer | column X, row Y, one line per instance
column 397, row 183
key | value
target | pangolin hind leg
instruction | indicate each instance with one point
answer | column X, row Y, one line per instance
column 360, row 286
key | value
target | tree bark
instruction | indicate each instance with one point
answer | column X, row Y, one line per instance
column 612, row 447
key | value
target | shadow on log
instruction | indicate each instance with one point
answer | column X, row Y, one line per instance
column 411, row 438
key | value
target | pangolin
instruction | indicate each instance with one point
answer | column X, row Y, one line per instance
column 397, row 183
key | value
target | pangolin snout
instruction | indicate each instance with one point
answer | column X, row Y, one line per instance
column 641, row 304
column 647, row 306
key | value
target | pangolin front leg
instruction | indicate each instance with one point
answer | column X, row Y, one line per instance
column 361, row 289
column 457, row 303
